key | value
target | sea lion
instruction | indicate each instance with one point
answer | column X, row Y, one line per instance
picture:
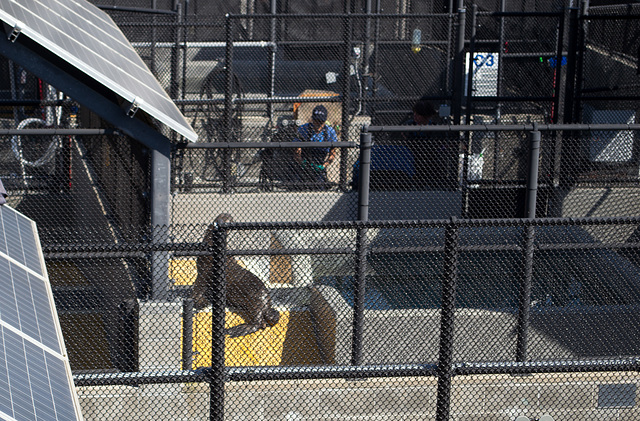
column 246, row 293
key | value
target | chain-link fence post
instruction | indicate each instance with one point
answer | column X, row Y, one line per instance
column 218, row 293
column 174, row 85
column 572, row 55
column 227, row 115
column 447, row 316
column 468, row 94
column 527, row 246
column 346, row 98
column 458, row 78
column 361, row 246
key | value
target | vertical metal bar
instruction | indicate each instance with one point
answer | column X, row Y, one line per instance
column 160, row 220
column 174, row 84
column 458, row 77
column 154, row 36
column 362, row 249
column 364, row 176
column 525, row 294
column 187, row 334
column 272, row 59
column 447, row 319
column 572, row 56
column 529, row 234
column 502, row 49
column 183, row 22
column 532, row 177
column 218, row 310
column 346, row 97
column 558, row 74
column 580, row 62
column 469, row 106
column 227, row 116
column 558, row 111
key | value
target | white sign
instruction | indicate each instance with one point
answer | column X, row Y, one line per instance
column 485, row 74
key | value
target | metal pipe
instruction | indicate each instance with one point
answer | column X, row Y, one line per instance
column 469, row 106
column 227, row 116
column 272, row 59
column 346, row 372
column 528, row 247
column 525, row 294
column 187, row 334
column 264, row 145
column 447, row 319
column 503, row 127
column 218, row 310
column 364, row 177
column 458, row 78
column 572, row 57
column 532, row 177
column 346, row 97
column 174, row 85
column 361, row 248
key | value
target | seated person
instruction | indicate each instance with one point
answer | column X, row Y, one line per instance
column 313, row 162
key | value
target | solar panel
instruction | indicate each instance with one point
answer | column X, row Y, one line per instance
column 87, row 38
column 35, row 376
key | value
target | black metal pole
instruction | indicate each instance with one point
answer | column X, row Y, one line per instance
column 469, row 106
column 529, row 236
column 458, row 78
column 572, row 56
column 174, row 85
column 187, row 334
column 364, row 176
column 272, row 58
column 447, row 318
column 525, row 294
column 218, row 310
column 362, row 248
column 183, row 49
column 532, row 177
column 227, row 116
column 346, row 97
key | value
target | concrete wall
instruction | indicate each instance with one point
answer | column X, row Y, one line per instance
column 197, row 208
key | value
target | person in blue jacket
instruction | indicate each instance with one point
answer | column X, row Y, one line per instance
column 313, row 162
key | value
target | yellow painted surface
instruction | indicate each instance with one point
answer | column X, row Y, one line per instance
column 290, row 342
column 183, row 271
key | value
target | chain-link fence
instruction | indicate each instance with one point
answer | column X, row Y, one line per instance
column 429, row 316
column 460, row 309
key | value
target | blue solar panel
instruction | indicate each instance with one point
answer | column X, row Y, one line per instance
column 88, row 39
column 35, row 376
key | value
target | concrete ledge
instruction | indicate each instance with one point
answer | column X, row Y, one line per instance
column 497, row 398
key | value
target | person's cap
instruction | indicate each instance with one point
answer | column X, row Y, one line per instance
column 319, row 113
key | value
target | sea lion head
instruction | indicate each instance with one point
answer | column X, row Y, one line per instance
column 271, row 316
column 211, row 229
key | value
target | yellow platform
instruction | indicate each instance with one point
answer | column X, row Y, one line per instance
column 290, row 342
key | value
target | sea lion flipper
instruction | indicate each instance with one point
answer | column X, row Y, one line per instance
column 242, row 330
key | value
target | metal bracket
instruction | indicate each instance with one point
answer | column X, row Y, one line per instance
column 133, row 108
column 17, row 29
